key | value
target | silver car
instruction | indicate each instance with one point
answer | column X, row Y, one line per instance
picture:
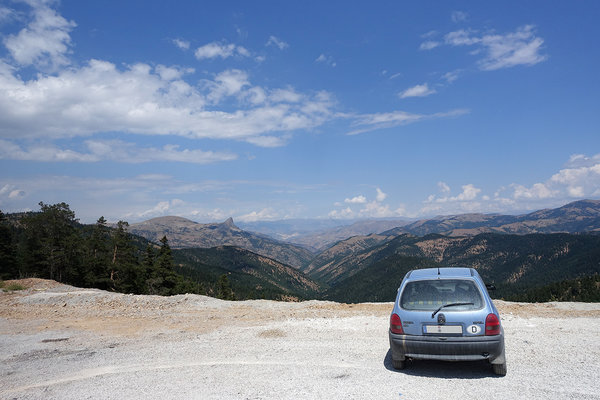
column 446, row 314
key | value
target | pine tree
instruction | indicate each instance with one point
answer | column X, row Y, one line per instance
column 98, row 256
column 125, row 275
column 8, row 255
column 224, row 288
column 52, row 244
column 163, row 279
column 153, row 282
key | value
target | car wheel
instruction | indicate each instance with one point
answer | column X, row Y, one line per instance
column 499, row 369
column 399, row 364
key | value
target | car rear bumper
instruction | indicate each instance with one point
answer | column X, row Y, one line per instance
column 471, row 348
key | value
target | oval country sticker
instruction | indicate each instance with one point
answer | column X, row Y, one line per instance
column 474, row 329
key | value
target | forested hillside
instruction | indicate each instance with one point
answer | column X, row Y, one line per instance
column 517, row 264
column 52, row 244
column 251, row 275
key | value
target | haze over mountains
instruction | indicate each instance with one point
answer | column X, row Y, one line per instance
column 579, row 216
column 318, row 234
column 518, row 253
column 183, row 233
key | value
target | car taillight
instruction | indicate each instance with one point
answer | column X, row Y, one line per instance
column 492, row 325
column 396, row 324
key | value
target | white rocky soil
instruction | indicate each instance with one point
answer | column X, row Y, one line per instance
column 61, row 342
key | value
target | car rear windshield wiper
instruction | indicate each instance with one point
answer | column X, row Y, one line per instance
column 450, row 305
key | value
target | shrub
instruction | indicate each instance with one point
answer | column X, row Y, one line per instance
column 11, row 287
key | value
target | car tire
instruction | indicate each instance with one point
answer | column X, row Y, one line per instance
column 499, row 369
column 399, row 364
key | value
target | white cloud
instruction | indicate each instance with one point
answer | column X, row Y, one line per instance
column 182, row 44
column 6, row 14
column 215, row 214
column 380, row 195
column 160, row 209
column 268, row 141
column 452, row 75
column 172, row 73
column 15, row 194
column 265, row 214
column 366, row 209
column 227, row 83
column 221, row 50
column 578, row 180
column 444, row 188
column 581, row 160
column 375, row 209
column 371, row 122
column 459, row 16
column 461, row 38
column 537, row 191
column 417, row 91
column 429, row 44
column 469, row 193
column 345, row 213
column 11, row 192
column 110, row 150
column 101, row 98
column 288, row 95
column 129, row 197
column 521, row 47
column 44, row 42
column 576, row 191
column 356, row 200
column 274, row 41
column 328, row 60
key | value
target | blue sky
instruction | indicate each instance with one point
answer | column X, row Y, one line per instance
column 273, row 110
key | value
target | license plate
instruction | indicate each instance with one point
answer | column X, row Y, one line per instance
column 452, row 329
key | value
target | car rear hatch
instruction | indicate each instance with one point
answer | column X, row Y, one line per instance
column 443, row 307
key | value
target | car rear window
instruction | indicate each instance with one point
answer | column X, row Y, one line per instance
column 428, row 295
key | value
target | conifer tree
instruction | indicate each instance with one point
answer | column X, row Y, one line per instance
column 224, row 288
column 163, row 278
column 8, row 254
column 97, row 260
column 52, row 244
column 125, row 273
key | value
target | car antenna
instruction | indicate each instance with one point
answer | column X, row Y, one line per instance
column 438, row 270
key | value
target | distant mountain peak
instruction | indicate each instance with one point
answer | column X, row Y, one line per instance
column 229, row 223
column 183, row 233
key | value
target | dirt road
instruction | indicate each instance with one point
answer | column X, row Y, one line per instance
column 60, row 342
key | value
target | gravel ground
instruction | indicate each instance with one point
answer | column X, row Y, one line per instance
column 61, row 342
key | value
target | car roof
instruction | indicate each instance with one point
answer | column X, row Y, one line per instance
column 440, row 273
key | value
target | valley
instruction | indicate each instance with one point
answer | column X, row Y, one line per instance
column 518, row 254
column 541, row 256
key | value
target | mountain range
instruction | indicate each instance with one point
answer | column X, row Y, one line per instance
column 514, row 263
column 579, row 216
column 317, row 234
column 517, row 253
column 251, row 275
column 183, row 233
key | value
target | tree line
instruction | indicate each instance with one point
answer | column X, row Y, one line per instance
column 585, row 289
column 52, row 244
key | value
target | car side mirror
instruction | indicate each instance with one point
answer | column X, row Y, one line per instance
column 490, row 286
